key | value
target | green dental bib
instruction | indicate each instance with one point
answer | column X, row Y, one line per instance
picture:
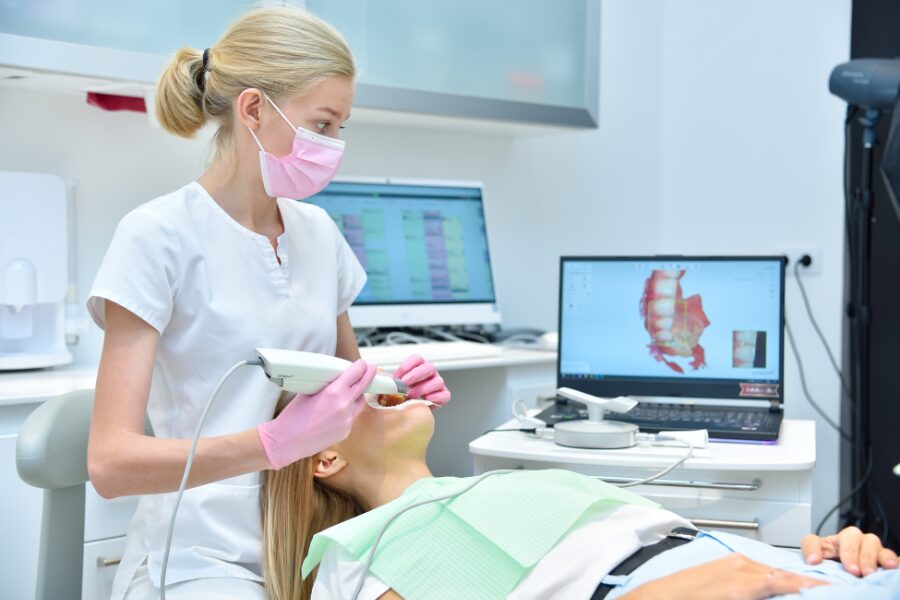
column 478, row 545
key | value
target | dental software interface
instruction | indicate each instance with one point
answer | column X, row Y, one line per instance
column 644, row 319
column 418, row 244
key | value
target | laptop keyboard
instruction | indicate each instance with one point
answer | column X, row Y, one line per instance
column 722, row 423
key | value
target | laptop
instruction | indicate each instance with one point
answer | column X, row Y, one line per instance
column 697, row 341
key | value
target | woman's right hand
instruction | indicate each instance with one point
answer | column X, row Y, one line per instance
column 734, row 577
column 309, row 424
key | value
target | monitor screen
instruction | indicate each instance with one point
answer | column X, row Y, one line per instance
column 707, row 327
column 422, row 245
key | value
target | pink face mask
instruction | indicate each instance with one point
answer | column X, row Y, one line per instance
column 308, row 168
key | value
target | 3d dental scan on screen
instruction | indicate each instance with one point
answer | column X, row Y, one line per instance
column 589, row 300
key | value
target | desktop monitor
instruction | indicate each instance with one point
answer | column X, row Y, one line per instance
column 692, row 327
column 424, row 247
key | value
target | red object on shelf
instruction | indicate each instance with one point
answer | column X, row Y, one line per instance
column 116, row 102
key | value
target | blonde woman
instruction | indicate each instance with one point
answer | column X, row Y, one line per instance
column 525, row 535
column 195, row 280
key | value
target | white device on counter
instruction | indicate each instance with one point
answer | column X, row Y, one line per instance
column 33, row 271
column 595, row 432
column 309, row 372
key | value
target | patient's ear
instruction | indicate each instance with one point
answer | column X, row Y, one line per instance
column 328, row 463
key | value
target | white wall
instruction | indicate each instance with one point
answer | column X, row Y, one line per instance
column 752, row 150
column 717, row 135
column 118, row 161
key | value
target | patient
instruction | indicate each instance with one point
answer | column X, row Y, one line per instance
column 527, row 534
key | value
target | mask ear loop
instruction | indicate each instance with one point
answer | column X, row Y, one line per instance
column 275, row 106
column 255, row 139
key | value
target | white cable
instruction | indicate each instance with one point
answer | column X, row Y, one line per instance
column 520, row 413
column 187, row 470
column 443, row 334
column 482, row 477
column 668, row 469
column 365, row 571
column 407, row 338
column 527, row 340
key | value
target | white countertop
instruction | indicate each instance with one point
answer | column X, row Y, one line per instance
column 507, row 358
column 30, row 387
column 795, row 450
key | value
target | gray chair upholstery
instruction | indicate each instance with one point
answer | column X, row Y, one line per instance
column 51, row 454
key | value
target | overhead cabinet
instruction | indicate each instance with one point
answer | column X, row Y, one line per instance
column 522, row 61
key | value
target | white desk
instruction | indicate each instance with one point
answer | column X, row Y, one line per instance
column 761, row 491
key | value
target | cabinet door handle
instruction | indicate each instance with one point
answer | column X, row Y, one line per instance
column 712, row 485
column 108, row 562
column 727, row 524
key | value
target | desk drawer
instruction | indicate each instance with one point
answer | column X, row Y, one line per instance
column 105, row 519
column 778, row 501
column 101, row 559
column 778, row 523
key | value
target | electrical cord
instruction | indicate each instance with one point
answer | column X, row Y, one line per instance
column 474, row 337
column 806, row 393
column 846, row 498
column 444, row 335
column 482, row 477
column 371, row 557
column 799, row 279
column 668, row 469
column 395, row 338
column 523, row 340
column 187, row 468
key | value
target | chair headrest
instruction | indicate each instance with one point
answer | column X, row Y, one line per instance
column 51, row 450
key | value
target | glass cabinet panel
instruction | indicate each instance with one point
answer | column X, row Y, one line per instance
column 137, row 25
column 517, row 50
column 531, row 61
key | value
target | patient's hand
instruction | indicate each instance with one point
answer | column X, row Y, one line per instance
column 734, row 577
column 860, row 553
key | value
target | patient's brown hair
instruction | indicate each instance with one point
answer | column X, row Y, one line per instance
column 294, row 507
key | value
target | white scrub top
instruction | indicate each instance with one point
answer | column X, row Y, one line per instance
column 214, row 290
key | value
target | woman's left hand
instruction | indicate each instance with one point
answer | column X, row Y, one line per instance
column 860, row 553
column 423, row 380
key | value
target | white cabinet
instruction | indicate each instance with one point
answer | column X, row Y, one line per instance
column 101, row 558
column 21, row 505
column 20, row 519
column 760, row 491
column 531, row 60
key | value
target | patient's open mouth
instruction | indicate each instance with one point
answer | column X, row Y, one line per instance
column 390, row 399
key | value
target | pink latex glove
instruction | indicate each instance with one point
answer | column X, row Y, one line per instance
column 423, row 380
column 309, row 424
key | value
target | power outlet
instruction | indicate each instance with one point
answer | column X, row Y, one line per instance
column 795, row 253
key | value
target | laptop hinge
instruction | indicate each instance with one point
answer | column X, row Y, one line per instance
column 774, row 406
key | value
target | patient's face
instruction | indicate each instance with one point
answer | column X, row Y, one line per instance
column 383, row 433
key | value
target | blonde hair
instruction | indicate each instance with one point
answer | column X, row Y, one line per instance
column 282, row 51
column 294, row 507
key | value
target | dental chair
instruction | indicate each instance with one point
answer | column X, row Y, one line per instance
column 51, row 454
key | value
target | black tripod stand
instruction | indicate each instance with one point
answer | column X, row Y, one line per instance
column 859, row 215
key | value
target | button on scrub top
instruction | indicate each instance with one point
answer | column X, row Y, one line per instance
column 215, row 290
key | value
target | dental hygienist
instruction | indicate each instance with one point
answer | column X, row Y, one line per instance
column 194, row 280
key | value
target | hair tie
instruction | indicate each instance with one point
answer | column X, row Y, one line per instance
column 201, row 76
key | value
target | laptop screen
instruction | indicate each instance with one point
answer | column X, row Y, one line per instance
column 709, row 327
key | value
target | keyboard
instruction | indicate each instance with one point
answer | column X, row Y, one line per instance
column 724, row 423
column 431, row 351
